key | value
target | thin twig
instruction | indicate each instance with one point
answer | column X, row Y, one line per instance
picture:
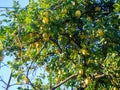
column 99, row 76
column 31, row 83
column 3, row 65
column 3, row 81
column 9, row 7
column 31, row 66
column 56, row 44
column 15, row 84
column 8, row 84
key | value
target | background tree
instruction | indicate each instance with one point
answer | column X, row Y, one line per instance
column 74, row 42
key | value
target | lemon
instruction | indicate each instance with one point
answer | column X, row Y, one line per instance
column 45, row 36
column 60, row 72
column 78, row 13
column 57, row 79
column 26, row 80
column 81, row 72
column 97, row 8
column 84, row 52
column 100, row 32
column 45, row 20
column 87, row 81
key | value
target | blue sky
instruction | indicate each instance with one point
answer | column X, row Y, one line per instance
column 5, row 71
column 9, row 3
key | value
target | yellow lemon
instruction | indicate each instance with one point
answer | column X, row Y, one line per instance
column 45, row 20
column 64, row 11
column 60, row 72
column 44, row 35
column 26, row 80
column 87, row 81
column 78, row 13
column 97, row 8
column 57, row 79
column 84, row 52
column 100, row 32
column 81, row 71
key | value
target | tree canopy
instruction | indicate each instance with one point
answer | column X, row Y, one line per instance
column 75, row 44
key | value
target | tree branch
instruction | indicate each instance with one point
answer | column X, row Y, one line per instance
column 31, row 83
column 70, row 77
column 3, row 81
column 37, row 56
column 56, row 44
column 8, row 84
column 96, row 76
column 99, row 76
column 2, row 64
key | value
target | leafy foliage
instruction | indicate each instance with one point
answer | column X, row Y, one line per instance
column 64, row 38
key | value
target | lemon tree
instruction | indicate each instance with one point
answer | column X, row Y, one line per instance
column 63, row 44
